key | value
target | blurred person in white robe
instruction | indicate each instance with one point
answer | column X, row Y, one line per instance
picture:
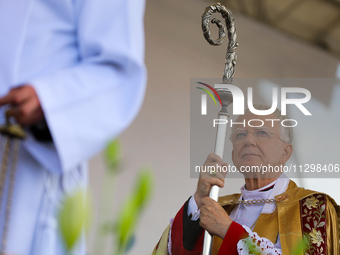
column 72, row 74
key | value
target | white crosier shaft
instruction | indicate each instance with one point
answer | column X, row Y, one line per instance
column 219, row 149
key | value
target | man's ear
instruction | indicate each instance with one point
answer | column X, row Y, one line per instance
column 287, row 153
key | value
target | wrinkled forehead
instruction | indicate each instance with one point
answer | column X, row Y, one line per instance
column 250, row 121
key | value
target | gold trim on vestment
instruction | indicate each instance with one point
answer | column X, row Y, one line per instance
column 285, row 220
column 162, row 246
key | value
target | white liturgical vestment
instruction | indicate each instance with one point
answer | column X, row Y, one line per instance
column 85, row 59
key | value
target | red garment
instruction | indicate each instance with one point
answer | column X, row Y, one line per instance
column 229, row 245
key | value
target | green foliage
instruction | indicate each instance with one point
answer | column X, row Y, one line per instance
column 131, row 209
column 126, row 223
column 299, row 249
column 251, row 246
column 302, row 246
column 74, row 217
column 143, row 188
column 113, row 155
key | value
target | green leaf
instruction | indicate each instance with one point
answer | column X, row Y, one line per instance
column 113, row 156
column 251, row 246
column 74, row 217
column 132, row 207
column 126, row 222
column 130, row 243
column 300, row 248
column 143, row 188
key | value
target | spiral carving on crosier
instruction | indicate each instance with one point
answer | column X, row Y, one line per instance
column 230, row 61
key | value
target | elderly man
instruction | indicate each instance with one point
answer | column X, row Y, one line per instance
column 270, row 216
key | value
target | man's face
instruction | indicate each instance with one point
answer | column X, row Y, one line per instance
column 256, row 151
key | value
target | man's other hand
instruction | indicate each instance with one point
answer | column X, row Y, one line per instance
column 214, row 218
column 206, row 180
column 24, row 105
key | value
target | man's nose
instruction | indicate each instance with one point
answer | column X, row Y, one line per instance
column 250, row 139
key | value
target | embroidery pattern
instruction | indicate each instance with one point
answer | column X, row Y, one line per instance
column 313, row 223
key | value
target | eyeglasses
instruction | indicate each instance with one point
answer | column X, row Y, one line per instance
column 260, row 135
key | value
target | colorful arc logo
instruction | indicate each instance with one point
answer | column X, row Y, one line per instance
column 204, row 97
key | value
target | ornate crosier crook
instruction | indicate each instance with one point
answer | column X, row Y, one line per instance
column 230, row 61
column 222, row 90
